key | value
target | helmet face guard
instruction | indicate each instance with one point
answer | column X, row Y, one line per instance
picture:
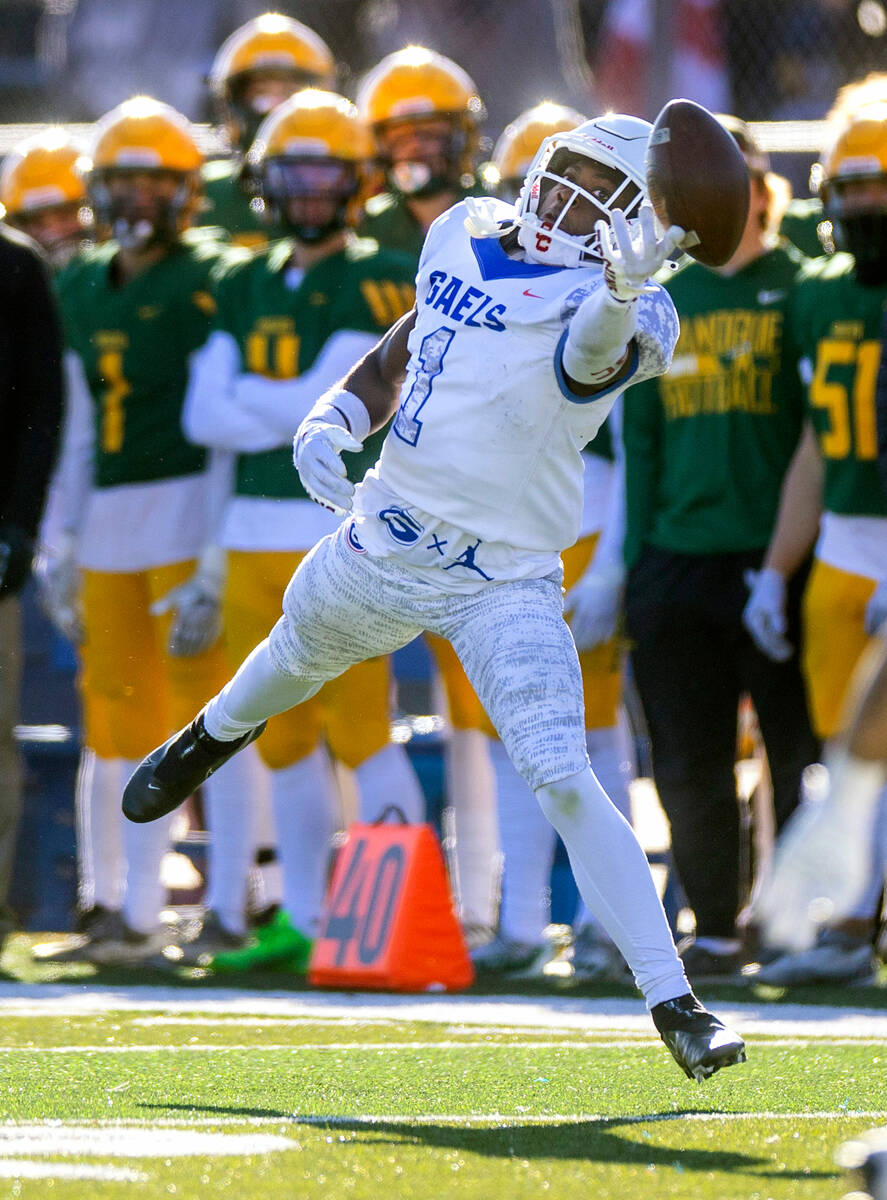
column 133, row 225
column 858, row 228
column 285, row 181
column 72, row 220
column 618, row 145
column 244, row 117
column 427, row 174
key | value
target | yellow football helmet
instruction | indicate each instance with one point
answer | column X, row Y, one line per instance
column 43, row 192
column 519, row 142
column 270, row 44
column 852, row 182
column 144, row 136
column 43, row 172
column 313, row 147
column 415, row 85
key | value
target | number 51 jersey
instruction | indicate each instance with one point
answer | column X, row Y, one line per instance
column 488, row 435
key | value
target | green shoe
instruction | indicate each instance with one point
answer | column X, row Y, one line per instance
column 278, row 945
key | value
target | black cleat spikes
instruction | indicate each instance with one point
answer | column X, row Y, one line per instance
column 168, row 776
column 700, row 1044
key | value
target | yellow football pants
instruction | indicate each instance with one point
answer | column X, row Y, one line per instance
column 135, row 694
column 601, row 667
column 834, row 640
column 352, row 712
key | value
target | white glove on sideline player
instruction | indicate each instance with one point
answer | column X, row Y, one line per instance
column 823, row 859
column 764, row 614
column 58, row 586
column 876, row 609
column 197, row 604
column 631, row 256
column 595, row 602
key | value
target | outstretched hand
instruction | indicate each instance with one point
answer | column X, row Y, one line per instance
column 632, row 254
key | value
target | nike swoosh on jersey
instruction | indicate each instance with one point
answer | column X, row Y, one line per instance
column 527, row 292
column 771, row 296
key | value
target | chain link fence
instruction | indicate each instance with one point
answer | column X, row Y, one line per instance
column 776, row 63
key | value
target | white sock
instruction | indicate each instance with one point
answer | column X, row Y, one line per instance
column 528, row 842
column 145, row 846
column 614, row 878
column 867, row 905
column 266, row 880
column 306, row 815
column 612, row 760
column 387, row 777
column 230, row 800
column 472, row 798
column 100, row 822
column 255, row 693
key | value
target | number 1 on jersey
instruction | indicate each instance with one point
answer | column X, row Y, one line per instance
column 431, row 354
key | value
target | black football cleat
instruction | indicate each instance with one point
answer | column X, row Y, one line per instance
column 700, row 1044
column 168, row 776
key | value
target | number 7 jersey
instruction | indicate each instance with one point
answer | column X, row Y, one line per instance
column 488, row 435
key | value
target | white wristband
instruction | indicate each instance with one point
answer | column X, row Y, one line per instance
column 340, row 407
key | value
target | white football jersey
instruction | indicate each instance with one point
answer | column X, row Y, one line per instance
column 488, row 436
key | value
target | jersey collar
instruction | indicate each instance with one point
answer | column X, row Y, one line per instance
column 494, row 263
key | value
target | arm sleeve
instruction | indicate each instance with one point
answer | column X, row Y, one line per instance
column 211, row 415
column 598, row 337
column 284, row 403
column 72, row 477
column 235, row 411
column 641, row 433
column 37, row 389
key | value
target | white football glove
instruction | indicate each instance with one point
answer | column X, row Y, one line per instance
column 58, row 587
column 821, row 866
column 317, row 454
column 197, row 605
column 632, row 255
column 876, row 609
column 764, row 614
column 595, row 602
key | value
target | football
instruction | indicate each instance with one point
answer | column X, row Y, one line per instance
column 697, row 178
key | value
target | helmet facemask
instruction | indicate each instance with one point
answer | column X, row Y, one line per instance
column 859, row 226
column 134, row 223
column 59, row 229
column 312, row 197
column 545, row 240
column 243, row 115
column 426, row 173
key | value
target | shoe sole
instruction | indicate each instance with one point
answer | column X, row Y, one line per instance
column 706, row 1070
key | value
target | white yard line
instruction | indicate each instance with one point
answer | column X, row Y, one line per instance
column 601, row 1043
column 550, row 1014
column 52, row 1138
column 23, row 1168
column 283, row 1121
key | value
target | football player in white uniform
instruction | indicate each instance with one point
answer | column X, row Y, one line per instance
column 529, row 320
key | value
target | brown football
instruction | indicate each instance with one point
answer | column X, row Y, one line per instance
column 697, row 178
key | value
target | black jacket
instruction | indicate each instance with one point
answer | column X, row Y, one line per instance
column 31, row 388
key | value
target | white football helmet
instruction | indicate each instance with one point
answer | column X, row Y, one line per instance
column 614, row 140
